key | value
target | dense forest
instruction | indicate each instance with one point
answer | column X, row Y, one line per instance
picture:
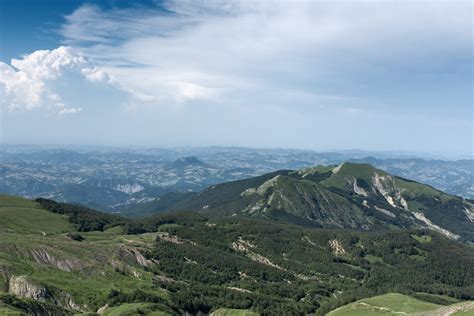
column 273, row 268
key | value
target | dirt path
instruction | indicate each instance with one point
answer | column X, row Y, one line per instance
column 449, row 310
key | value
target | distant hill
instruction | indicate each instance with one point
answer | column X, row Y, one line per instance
column 348, row 195
column 114, row 179
column 187, row 161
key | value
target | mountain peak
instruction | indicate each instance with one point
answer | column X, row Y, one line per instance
column 349, row 195
column 187, row 161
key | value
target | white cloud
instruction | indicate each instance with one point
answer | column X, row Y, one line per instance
column 31, row 83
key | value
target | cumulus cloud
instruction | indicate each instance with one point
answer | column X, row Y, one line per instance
column 31, row 83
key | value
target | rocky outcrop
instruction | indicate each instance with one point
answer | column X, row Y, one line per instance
column 386, row 186
column 421, row 217
column 65, row 300
column 23, row 286
column 103, row 309
column 358, row 189
column 242, row 245
column 245, row 247
column 337, row 247
column 134, row 256
column 469, row 213
column 43, row 257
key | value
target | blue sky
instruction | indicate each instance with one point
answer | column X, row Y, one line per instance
column 319, row 75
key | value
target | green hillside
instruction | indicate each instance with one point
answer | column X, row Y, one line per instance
column 356, row 196
column 25, row 216
column 388, row 304
column 188, row 262
column 39, row 255
column 398, row 304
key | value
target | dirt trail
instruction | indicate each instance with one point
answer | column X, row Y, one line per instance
column 449, row 310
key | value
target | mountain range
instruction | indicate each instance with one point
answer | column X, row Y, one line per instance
column 348, row 195
column 113, row 179
column 288, row 242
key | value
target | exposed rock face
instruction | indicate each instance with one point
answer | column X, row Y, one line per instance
column 421, row 217
column 173, row 239
column 134, row 256
column 103, row 309
column 245, row 246
column 42, row 256
column 25, row 287
column 242, row 245
column 357, row 189
column 387, row 186
column 336, row 169
column 163, row 279
column 469, row 213
column 239, row 289
column 337, row 247
column 386, row 212
column 263, row 260
column 67, row 301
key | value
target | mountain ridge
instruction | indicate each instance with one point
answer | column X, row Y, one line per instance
column 348, row 195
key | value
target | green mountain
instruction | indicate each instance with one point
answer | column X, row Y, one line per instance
column 60, row 259
column 349, row 195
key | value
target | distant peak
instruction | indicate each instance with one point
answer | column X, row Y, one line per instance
column 188, row 161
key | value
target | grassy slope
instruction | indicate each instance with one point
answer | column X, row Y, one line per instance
column 233, row 312
column 459, row 309
column 397, row 304
column 366, row 172
column 350, row 170
column 298, row 197
column 25, row 216
column 8, row 311
column 387, row 304
column 22, row 225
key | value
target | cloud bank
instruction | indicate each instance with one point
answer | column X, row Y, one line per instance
column 31, row 83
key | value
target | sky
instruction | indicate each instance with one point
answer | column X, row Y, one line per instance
column 323, row 75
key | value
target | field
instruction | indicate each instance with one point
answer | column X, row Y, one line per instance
column 398, row 304
column 25, row 216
